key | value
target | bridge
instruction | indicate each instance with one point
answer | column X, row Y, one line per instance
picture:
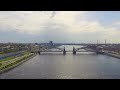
column 74, row 51
column 85, row 44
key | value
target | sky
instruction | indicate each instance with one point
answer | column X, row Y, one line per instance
column 60, row 26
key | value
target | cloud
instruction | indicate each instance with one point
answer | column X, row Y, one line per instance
column 69, row 25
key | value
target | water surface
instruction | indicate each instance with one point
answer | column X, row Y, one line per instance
column 85, row 65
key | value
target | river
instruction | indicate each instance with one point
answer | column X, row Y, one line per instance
column 85, row 65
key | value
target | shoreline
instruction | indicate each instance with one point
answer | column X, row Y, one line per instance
column 112, row 55
column 9, row 68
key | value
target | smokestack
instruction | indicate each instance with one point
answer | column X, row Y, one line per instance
column 105, row 42
column 97, row 42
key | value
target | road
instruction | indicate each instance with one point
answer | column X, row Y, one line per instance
column 5, row 63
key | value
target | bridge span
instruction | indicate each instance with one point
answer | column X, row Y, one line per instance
column 74, row 51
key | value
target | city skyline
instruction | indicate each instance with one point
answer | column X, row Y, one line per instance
column 60, row 26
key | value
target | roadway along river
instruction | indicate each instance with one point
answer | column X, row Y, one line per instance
column 59, row 66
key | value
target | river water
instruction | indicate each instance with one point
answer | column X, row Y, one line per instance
column 83, row 65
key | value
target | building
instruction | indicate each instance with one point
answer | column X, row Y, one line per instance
column 51, row 43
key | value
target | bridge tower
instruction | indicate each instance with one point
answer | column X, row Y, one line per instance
column 97, row 51
column 74, row 51
column 64, row 51
column 39, row 52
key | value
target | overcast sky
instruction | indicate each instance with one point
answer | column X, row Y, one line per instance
column 60, row 26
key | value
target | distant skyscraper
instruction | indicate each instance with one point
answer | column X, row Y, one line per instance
column 51, row 43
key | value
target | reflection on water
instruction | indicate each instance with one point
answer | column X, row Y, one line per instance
column 59, row 66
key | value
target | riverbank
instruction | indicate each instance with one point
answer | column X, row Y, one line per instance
column 112, row 55
column 16, row 63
